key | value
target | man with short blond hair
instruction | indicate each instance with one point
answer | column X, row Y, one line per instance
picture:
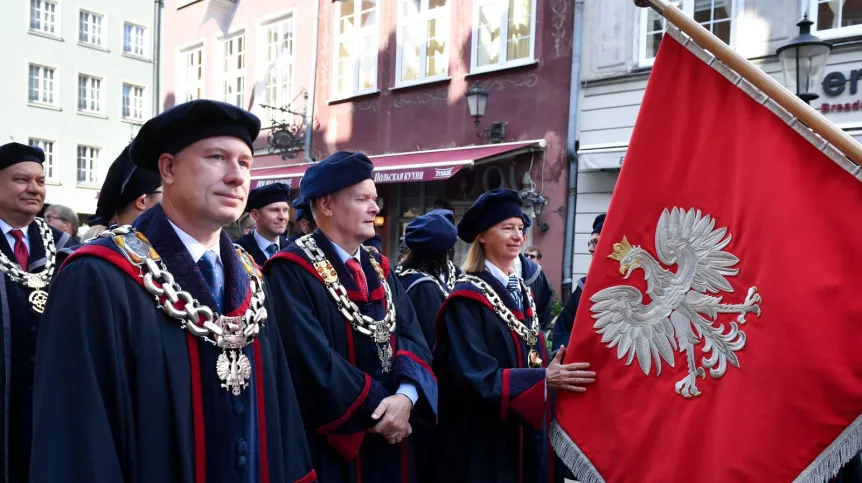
column 159, row 360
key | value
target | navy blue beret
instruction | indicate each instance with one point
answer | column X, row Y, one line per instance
column 491, row 208
column 375, row 242
column 444, row 213
column 430, row 234
column 334, row 173
column 267, row 195
column 302, row 209
column 123, row 184
column 185, row 124
column 14, row 153
column 527, row 221
column 598, row 223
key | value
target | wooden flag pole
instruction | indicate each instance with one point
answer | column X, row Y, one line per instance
column 769, row 86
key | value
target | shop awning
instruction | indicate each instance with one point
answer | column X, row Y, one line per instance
column 432, row 165
column 597, row 159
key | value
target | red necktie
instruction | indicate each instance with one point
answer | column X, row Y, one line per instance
column 21, row 253
column 358, row 276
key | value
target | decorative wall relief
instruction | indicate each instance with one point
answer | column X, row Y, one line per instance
column 559, row 20
column 372, row 105
column 421, row 98
column 523, row 80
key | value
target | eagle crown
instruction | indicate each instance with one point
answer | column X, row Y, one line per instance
column 621, row 250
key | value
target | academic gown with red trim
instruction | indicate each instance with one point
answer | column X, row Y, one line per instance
column 124, row 394
column 493, row 408
column 337, row 372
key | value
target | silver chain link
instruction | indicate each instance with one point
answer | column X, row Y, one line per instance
column 361, row 323
column 529, row 334
column 199, row 320
column 33, row 280
column 434, row 279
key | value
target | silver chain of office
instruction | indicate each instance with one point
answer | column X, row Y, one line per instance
column 530, row 334
column 231, row 334
column 378, row 330
column 35, row 281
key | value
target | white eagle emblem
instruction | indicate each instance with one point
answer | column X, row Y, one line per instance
column 234, row 372
column 679, row 301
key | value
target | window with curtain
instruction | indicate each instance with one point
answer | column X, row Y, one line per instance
column 278, row 55
column 233, row 86
column 836, row 17
column 41, row 85
column 355, row 57
column 90, row 28
column 193, row 73
column 503, row 33
column 423, row 38
column 43, row 14
column 48, row 148
column 717, row 16
column 89, row 94
column 88, row 165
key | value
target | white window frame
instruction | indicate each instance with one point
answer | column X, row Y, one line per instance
column 90, row 89
column 355, row 38
column 47, row 145
column 57, row 18
column 144, row 40
column 834, row 33
column 282, row 62
column 55, row 91
column 223, row 72
column 183, row 71
column 502, row 62
column 91, row 172
column 425, row 15
column 687, row 7
column 141, row 109
column 103, row 28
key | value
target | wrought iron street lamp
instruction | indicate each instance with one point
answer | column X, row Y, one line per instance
column 477, row 100
column 803, row 61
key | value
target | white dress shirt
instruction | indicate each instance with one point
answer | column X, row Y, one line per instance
column 6, row 227
column 404, row 388
column 197, row 249
column 497, row 273
column 263, row 243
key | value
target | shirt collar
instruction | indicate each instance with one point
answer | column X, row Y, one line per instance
column 195, row 248
column 6, row 227
column 343, row 255
column 263, row 243
column 496, row 272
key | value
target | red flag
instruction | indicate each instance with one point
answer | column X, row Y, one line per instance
column 743, row 238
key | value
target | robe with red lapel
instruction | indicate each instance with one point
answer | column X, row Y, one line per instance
column 338, row 375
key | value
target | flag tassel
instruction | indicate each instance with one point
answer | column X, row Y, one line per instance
column 835, row 456
column 573, row 457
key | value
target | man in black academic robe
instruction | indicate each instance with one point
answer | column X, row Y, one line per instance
column 22, row 193
column 356, row 413
column 268, row 206
column 123, row 391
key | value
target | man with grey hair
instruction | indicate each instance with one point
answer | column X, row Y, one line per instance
column 64, row 219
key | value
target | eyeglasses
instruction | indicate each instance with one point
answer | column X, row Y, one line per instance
column 52, row 217
column 593, row 243
column 532, row 256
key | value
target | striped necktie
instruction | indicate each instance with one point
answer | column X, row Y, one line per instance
column 514, row 287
